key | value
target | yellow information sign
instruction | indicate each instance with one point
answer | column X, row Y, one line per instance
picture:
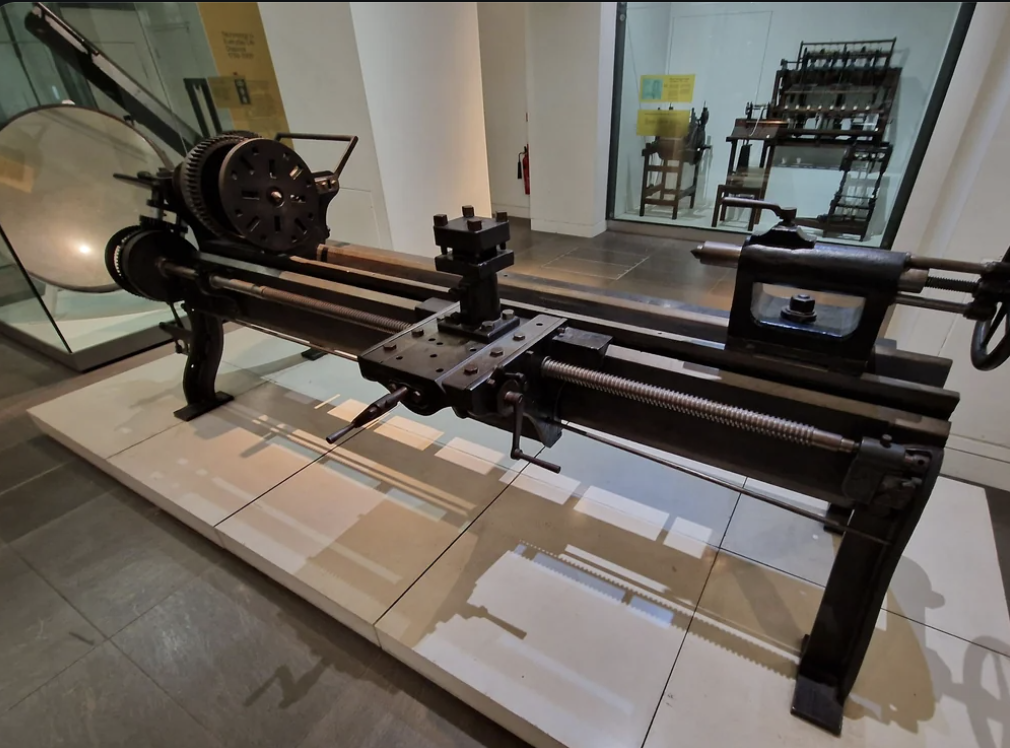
column 247, row 87
column 671, row 88
column 665, row 123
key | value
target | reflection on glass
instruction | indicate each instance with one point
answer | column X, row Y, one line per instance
column 20, row 306
column 59, row 204
column 807, row 107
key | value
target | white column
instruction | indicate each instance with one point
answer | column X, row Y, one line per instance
column 315, row 56
column 403, row 77
column 569, row 72
column 420, row 63
column 503, row 73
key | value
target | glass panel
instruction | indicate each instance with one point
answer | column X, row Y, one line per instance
column 20, row 306
column 810, row 105
column 59, row 204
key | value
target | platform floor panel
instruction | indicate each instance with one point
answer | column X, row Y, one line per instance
column 619, row 603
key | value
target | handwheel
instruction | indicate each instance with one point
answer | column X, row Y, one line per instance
column 982, row 357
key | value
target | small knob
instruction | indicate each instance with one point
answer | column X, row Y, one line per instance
column 801, row 308
column 441, row 219
column 468, row 211
column 501, row 216
column 802, row 303
column 473, row 224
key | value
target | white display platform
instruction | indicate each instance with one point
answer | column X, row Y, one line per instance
column 621, row 603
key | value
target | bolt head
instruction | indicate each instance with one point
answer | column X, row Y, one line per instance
column 486, row 325
column 508, row 313
column 519, row 336
column 389, row 347
column 417, row 332
column 470, row 369
column 497, row 352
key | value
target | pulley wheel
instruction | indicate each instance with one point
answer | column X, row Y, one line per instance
column 983, row 357
column 113, row 256
column 139, row 260
column 269, row 197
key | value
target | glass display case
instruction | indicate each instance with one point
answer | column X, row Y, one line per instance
column 65, row 131
column 825, row 107
column 59, row 206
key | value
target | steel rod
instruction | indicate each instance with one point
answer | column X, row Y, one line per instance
column 700, row 407
column 300, row 341
column 259, row 291
column 926, row 302
column 952, row 266
column 809, row 514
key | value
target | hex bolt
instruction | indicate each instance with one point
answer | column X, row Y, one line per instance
column 519, row 336
column 468, row 211
column 441, row 219
column 508, row 314
column 474, row 224
column 497, row 352
column 389, row 346
column 486, row 325
column 417, row 332
column 470, row 369
column 562, row 330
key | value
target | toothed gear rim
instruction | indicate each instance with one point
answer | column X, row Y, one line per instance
column 269, row 197
column 198, row 179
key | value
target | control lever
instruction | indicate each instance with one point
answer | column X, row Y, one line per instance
column 518, row 403
column 376, row 410
column 788, row 215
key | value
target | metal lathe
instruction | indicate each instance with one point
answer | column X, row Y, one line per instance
column 794, row 388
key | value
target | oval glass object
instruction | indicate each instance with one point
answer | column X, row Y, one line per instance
column 59, row 202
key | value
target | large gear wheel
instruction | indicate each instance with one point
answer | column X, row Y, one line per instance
column 198, row 176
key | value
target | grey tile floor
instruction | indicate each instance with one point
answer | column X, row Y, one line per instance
column 121, row 627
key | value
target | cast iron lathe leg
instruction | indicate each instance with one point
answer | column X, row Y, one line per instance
column 206, row 344
column 833, row 652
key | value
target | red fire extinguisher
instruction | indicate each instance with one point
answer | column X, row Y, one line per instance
column 523, row 170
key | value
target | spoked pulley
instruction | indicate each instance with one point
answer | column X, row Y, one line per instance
column 255, row 190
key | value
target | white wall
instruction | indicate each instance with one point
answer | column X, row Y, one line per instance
column 315, row 55
column 570, row 67
column 420, row 63
column 759, row 36
column 966, row 178
column 503, row 70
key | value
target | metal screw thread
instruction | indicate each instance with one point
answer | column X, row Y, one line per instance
column 946, row 283
column 700, row 407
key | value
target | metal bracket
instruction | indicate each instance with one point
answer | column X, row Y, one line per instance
column 884, row 474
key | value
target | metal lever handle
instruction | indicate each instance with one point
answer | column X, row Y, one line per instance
column 788, row 215
column 518, row 403
column 376, row 410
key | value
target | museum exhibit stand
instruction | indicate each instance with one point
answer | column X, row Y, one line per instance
column 824, row 107
column 598, row 521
